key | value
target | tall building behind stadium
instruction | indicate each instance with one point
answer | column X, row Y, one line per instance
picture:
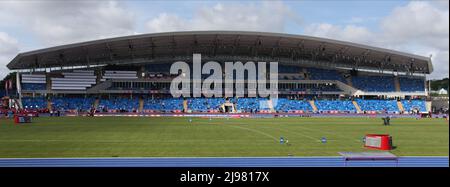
column 131, row 74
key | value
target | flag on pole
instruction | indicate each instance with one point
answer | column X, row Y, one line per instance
column 7, row 82
column 10, row 84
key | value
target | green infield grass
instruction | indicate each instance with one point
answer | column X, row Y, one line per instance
column 219, row 137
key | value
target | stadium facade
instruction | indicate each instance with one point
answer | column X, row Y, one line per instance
column 132, row 74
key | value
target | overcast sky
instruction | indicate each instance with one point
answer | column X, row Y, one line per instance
column 418, row 27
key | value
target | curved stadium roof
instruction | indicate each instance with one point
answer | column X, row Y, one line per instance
column 222, row 46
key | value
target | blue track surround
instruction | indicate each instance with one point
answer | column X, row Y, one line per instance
column 409, row 161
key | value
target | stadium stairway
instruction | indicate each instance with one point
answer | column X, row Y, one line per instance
column 428, row 105
column 141, row 104
column 48, row 83
column 358, row 109
column 185, row 106
column 101, row 86
column 49, row 104
column 346, row 88
column 313, row 105
column 98, row 73
column 397, row 84
column 349, row 81
column 400, row 106
column 96, row 103
column 305, row 72
column 270, row 104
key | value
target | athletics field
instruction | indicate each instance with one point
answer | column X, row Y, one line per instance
column 49, row 137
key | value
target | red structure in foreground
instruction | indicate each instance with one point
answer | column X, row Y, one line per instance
column 22, row 119
column 378, row 141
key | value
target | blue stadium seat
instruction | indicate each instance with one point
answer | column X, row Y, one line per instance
column 374, row 83
column 33, row 86
column 250, row 104
column 324, row 74
column 411, row 84
column 167, row 104
column 205, row 104
column 378, row 105
column 410, row 105
column 335, row 105
column 72, row 103
column 287, row 105
column 289, row 69
column 118, row 103
column 34, row 102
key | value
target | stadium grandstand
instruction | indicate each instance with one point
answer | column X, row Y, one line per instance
column 131, row 74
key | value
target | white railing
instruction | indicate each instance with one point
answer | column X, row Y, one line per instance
column 76, row 80
column 119, row 75
column 33, row 78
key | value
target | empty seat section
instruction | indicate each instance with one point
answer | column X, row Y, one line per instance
column 204, row 104
column 167, row 104
column 324, row 74
column 122, row 104
column 33, row 82
column 249, row 104
column 289, row 69
column 411, row 105
column 412, row 84
column 33, row 86
column 335, row 105
column 378, row 105
column 72, row 103
column 34, row 102
column 288, row 105
column 374, row 83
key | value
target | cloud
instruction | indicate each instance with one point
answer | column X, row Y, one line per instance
column 55, row 22
column 360, row 20
column 8, row 48
column 265, row 16
column 441, row 4
column 419, row 27
column 350, row 33
column 420, row 22
column 440, row 60
column 51, row 23
column 166, row 22
column 8, row 43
